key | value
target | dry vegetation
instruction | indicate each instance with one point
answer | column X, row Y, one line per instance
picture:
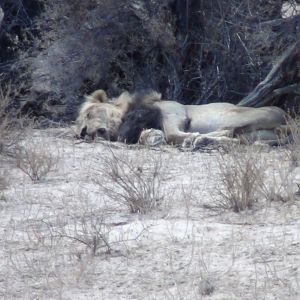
column 8, row 134
column 194, row 51
column 294, row 125
column 247, row 175
column 116, row 222
column 3, row 184
column 132, row 182
column 113, row 222
column 13, row 125
column 36, row 158
column 242, row 172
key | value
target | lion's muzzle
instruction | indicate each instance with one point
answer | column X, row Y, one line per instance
column 101, row 133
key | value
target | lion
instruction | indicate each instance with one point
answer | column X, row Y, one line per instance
column 101, row 117
column 126, row 117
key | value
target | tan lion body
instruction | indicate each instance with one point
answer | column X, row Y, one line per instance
column 218, row 121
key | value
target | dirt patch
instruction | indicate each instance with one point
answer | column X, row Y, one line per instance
column 63, row 237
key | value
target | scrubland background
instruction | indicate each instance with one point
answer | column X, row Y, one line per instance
column 112, row 221
column 53, row 52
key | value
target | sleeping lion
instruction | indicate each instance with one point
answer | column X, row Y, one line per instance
column 132, row 117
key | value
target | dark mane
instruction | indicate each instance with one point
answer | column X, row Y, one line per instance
column 143, row 98
column 140, row 115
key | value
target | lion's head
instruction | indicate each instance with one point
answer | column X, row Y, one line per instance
column 102, row 117
column 99, row 117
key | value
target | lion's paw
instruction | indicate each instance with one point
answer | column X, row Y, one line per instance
column 189, row 141
column 204, row 142
column 152, row 138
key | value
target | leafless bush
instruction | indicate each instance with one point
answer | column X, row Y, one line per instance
column 3, row 183
column 11, row 127
column 136, row 183
column 59, row 248
column 247, row 174
column 294, row 147
column 241, row 174
column 91, row 229
column 7, row 138
column 279, row 183
column 36, row 158
column 88, row 229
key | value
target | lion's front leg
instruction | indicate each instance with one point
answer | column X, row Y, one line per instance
column 215, row 138
column 204, row 141
column 182, row 138
column 173, row 131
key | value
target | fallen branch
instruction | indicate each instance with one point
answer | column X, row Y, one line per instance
column 283, row 79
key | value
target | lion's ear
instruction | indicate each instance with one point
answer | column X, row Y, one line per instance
column 97, row 96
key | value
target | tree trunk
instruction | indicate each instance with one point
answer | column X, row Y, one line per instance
column 283, row 80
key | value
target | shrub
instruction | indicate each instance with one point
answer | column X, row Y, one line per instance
column 241, row 175
column 36, row 159
column 3, row 184
column 294, row 147
column 11, row 127
column 5, row 121
column 135, row 183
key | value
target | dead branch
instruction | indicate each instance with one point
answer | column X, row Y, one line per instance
column 283, row 79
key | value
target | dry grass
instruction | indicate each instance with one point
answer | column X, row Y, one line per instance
column 66, row 239
column 3, row 183
column 5, row 121
column 12, row 127
column 241, row 174
column 279, row 183
column 294, row 147
column 88, row 229
column 36, row 158
column 60, row 244
column 136, row 183
column 248, row 174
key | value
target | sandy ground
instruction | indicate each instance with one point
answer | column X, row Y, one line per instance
column 63, row 237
